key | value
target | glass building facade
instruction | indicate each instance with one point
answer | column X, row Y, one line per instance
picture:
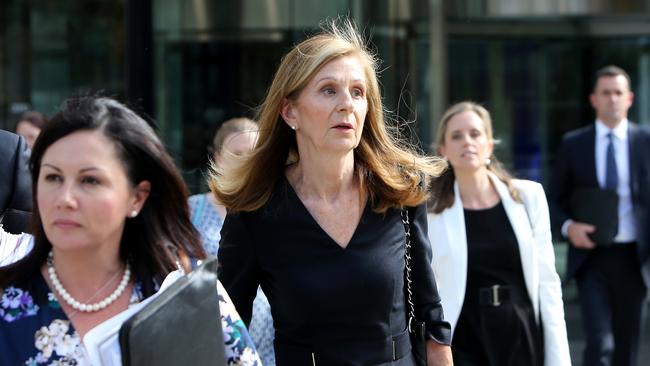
column 190, row 64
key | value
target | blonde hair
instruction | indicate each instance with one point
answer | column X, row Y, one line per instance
column 442, row 188
column 229, row 127
column 393, row 176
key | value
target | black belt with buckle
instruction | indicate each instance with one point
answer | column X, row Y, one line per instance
column 382, row 352
column 494, row 295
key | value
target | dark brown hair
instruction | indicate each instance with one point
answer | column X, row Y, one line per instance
column 152, row 240
column 612, row 71
column 37, row 119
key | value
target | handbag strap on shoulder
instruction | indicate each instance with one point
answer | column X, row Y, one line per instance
column 407, row 260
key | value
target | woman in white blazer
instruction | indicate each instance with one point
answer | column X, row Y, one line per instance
column 492, row 253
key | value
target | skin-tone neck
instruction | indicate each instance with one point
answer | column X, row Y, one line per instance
column 323, row 176
column 476, row 189
column 85, row 271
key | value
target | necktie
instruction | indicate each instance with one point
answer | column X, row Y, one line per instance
column 611, row 173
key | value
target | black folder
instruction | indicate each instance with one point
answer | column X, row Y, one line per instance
column 598, row 207
column 182, row 326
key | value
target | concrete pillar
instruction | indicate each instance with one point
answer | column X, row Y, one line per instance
column 438, row 64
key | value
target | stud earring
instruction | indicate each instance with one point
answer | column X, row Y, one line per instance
column 133, row 213
column 488, row 161
column 293, row 127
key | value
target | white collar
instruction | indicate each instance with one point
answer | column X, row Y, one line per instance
column 619, row 131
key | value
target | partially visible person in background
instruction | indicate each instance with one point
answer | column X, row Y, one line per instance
column 612, row 154
column 112, row 222
column 492, row 253
column 30, row 125
column 235, row 137
column 15, row 183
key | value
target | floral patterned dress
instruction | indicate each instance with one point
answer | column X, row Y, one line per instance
column 34, row 330
column 207, row 221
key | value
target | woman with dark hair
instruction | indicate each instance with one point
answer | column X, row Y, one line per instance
column 492, row 253
column 110, row 222
column 30, row 125
column 315, row 216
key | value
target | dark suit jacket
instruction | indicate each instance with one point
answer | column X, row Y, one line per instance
column 575, row 168
column 15, row 183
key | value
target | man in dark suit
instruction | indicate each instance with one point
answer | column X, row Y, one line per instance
column 611, row 154
column 15, row 183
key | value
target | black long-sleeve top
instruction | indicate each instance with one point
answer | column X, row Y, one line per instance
column 493, row 258
column 324, row 296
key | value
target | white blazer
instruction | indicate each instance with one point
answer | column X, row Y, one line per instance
column 531, row 225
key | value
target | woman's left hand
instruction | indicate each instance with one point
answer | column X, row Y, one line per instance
column 438, row 354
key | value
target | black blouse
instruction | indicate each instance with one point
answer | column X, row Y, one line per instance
column 492, row 252
column 493, row 258
column 323, row 296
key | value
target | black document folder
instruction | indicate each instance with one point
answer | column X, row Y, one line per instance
column 182, row 326
column 597, row 207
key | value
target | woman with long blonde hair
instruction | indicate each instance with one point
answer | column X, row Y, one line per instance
column 314, row 215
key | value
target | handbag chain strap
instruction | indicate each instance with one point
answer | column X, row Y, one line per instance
column 407, row 260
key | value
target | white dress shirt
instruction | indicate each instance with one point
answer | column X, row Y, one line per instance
column 626, row 228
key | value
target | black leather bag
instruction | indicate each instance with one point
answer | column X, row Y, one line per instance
column 182, row 326
column 416, row 329
column 15, row 183
column 15, row 221
column 598, row 207
column 418, row 342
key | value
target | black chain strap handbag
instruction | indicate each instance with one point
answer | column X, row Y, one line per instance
column 416, row 329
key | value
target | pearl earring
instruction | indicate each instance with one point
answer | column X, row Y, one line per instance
column 293, row 127
column 488, row 161
column 133, row 213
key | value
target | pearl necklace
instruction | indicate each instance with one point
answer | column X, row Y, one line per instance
column 65, row 295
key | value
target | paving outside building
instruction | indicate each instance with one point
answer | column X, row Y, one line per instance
column 574, row 320
column 189, row 65
column 577, row 337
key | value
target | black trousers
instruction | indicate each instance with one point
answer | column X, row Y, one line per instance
column 612, row 293
column 506, row 335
